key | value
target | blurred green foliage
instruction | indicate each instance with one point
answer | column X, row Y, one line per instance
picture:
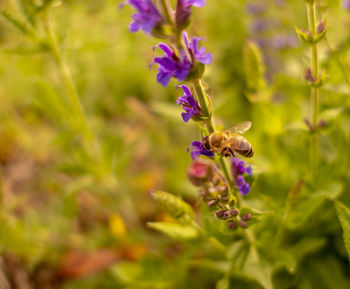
column 65, row 191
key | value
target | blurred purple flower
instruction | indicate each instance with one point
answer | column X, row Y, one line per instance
column 284, row 41
column 346, row 4
column 196, row 52
column 195, row 3
column 256, row 8
column 240, row 168
column 243, row 187
column 188, row 103
column 259, row 25
column 196, row 148
column 147, row 17
column 183, row 11
column 171, row 65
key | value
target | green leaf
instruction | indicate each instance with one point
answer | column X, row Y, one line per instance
column 258, row 268
column 174, row 206
column 28, row 9
column 175, row 231
column 254, row 71
column 16, row 23
column 303, row 212
column 344, row 217
column 223, row 283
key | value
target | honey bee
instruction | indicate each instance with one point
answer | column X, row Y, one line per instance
column 228, row 142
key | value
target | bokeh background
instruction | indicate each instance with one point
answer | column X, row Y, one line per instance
column 73, row 211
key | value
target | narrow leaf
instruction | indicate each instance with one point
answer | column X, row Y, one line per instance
column 16, row 23
column 254, row 71
column 174, row 206
column 175, row 231
column 344, row 217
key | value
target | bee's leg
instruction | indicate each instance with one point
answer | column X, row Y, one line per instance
column 226, row 152
column 232, row 152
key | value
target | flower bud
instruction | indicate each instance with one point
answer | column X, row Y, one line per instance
column 308, row 75
column 322, row 123
column 182, row 15
column 232, row 225
column 321, row 27
column 243, row 224
column 309, row 124
column 200, row 172
column 234, row 212
column 247, row 217
column 219, row 213
column 211, row 203
column 227, row 214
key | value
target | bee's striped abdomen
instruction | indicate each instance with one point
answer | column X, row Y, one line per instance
column 246, row 153
column 243, row 147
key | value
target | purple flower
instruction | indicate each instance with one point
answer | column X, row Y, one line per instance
column 197, row 149
column 243, row 187
column 256, row 8
column 240, row 168
column 188, row 103
column 171, row 65
column 284, row 41
column 147, row 17
column 346, row 4
column 196, row 52
column 195, row 3
column 183, row 11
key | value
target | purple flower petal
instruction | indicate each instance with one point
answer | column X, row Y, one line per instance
column 243, row 187
column 346, row 4
column 172, row 65
column 147, row 17
column 197, row 53
column 189, row 104
column 197, row 149
column 196, row 3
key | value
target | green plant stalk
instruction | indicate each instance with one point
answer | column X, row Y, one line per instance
column 166, row 9
column 66, row 76
column 315, row 93
column 201, row 97
column 90, row 140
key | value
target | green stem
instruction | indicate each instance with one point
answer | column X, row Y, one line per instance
column 91, row 142
column 166, row 10
column 66, row 76
column 202, row 99
column 315, row 93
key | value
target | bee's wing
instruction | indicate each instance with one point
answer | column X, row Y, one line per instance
column 241, row 127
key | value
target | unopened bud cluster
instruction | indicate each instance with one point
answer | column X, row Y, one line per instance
column 234, row 218
column 214, row 189
column 214, row 192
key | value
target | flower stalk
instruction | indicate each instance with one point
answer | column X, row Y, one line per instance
column 315, row 93
column 202, row 98
column 67, row 79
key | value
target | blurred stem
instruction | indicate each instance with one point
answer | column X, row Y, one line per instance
column 166, row 9
column 66, row 76
column 202, row 98
column 315, row 93
column 126, row 205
